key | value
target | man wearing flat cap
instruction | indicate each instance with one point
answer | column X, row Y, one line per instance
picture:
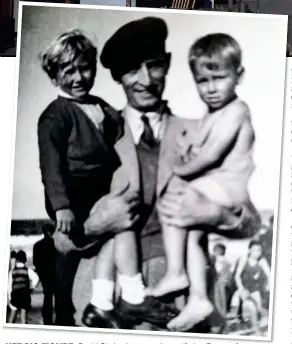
column 137, row 59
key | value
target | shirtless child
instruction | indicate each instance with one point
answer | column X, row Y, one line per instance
column 217, row 163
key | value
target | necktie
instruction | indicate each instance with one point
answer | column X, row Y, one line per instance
column 148, row 135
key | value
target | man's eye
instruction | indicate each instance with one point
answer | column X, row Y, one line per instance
column 133, row 71
column 201, row 81
column 84, row 69
column 68, row 71
column 155, row 64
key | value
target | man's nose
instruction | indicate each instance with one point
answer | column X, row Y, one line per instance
column 144, row 75
column 78, row 76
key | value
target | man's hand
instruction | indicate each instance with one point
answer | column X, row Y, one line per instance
column 63, row 243
column 185, row 153
column 182, row 147
column 65, row 220
column 179, row 206
column 113, row 213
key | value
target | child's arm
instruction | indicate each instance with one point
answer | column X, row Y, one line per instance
column 33, row 278
column 9, row 288
column 265, row 266
column 242, row 291
column 53, row 137
column 221, row 137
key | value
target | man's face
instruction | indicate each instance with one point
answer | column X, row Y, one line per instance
column 216, row 86
column 145, row 83
column 77, row 77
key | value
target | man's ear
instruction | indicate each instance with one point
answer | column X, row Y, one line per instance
column 167, row 61
column 240, row 73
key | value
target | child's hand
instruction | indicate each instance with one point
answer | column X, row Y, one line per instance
column 182, row 146
column 65, row 220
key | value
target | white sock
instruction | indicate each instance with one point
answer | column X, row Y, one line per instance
column 102, row 294
column 132, row 288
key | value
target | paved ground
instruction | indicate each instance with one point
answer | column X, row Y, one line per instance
column 234, row 326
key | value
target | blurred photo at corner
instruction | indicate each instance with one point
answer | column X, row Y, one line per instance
column 9, row 13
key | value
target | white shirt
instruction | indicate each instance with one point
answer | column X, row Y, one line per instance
column 136, row 124
column 92, row 111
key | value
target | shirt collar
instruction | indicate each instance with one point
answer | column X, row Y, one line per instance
column 133, row 117
column 63, row 93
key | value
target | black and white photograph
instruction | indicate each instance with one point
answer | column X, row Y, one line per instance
column 146, row 171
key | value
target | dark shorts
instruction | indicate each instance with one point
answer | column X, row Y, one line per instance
column 21, row 299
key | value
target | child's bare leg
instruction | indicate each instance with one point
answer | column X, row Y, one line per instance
column 174, row 240
column 126, row 259
column 175, row 278
column 12, row 315
column 197, row 272
column 256, row 296
column 23, row 316
column 103, row 282
column 198, row 306
column 250, row 308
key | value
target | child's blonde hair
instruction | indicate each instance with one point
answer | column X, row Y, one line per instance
column 215, row 49
column 66, row 48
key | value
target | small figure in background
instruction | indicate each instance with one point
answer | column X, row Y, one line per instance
column 44, row 261
column 12, row 260
column 222, row 280
column 22, row 280
column 265, row 236
column 252, row 278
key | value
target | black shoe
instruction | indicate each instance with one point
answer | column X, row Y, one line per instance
column 96, row 317
column 151, row 310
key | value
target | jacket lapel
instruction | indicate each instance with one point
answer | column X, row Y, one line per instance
column 129, row 169
column 166, row 154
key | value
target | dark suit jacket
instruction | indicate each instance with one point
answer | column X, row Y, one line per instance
column 44, row 261
column 76, row 160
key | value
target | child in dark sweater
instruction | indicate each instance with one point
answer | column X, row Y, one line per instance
column 75, row 134
column 22, row 280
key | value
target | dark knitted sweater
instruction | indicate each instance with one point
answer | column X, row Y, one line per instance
column 76, row 160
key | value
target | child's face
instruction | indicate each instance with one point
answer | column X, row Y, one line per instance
column 255, row 251
column 76, row 78
column 215, row 86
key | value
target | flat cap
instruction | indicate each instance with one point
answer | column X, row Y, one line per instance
column 132, row 43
